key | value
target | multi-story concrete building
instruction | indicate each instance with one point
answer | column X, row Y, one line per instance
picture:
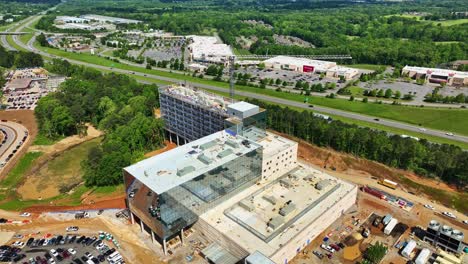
column 445, row 237
column 190, row 114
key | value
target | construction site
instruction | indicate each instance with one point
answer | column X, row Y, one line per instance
column 241, row 186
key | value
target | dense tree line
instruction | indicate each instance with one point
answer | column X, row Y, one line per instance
column 448, row 162
column 114, row 103
column 19, row 59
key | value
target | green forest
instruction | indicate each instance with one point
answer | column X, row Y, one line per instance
column 370, row 32
column 116, row 104
column 447, row 162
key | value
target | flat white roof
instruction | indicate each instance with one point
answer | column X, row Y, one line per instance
column 110, row 19
column 344, row 70
column 299, row 62
column 273, row 144
column 207, row 47
column 243, row 106
column 160, row 173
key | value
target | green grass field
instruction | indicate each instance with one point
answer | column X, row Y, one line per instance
column 448, row 23
column 241, row 52
column 371, row 67
column 23, row 165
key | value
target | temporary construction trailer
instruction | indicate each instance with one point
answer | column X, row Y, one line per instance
column 423, row 256
column 389, row 227
column 406, row 252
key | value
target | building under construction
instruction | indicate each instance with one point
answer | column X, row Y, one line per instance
column 190, row 114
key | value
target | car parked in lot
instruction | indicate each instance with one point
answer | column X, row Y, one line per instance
column 327, row 248
column 318, row 254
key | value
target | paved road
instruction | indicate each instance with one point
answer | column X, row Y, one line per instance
column 16, row 134
column 327, row 110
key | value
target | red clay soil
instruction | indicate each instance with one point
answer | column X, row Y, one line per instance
column 168, row 146
column 114, row 203
column 343, row 162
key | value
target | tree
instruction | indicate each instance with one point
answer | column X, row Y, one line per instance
column 365, row 100
column 380, row 93
column 351, row 98
column 388, row 93
column 375, row 253
column 397, row 94
column 42, row 40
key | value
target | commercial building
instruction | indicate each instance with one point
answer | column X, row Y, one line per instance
column 241, row 187
column 170, row 190
column 70, row 19
column 433, row 75
column 304, row 65
column 108, row 19
column 445, row 237
column 208, row 49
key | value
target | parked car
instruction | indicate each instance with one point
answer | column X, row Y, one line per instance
column 25, row 214
column 327, row 248
column 318, row 254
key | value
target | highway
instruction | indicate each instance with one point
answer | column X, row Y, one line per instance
column 331, row 111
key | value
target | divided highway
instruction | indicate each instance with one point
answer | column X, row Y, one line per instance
column 371, row 119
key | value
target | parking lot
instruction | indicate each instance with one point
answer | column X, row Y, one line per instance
column 24, row 100
column 70, row 247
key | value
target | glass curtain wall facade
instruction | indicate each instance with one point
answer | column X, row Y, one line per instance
column 168, row 213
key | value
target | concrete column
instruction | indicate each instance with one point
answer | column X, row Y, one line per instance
column 141, row 225
column 182, row 236
column 177, row 136
column 164, row 247
column 170, row 137
column 152, row 236
column 132, row 218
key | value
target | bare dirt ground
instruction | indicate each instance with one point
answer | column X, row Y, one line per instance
column 68, row 142
column 115, row 202
column 27, row 119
